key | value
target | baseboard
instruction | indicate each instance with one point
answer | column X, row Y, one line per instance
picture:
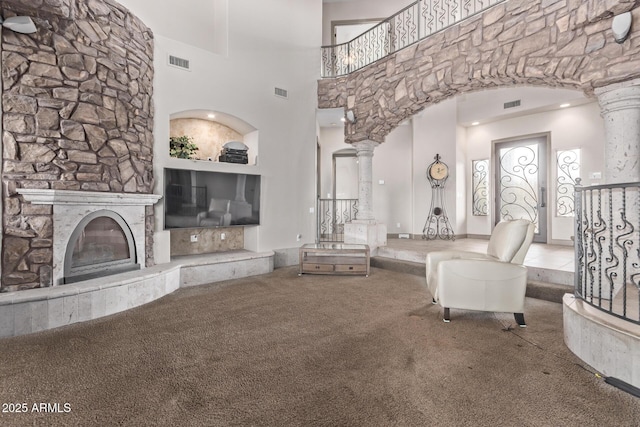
column 397, row 236
column 421, row 237
column 478, row 236
column 561, row 242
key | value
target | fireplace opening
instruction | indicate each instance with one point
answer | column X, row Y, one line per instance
column 102, row 244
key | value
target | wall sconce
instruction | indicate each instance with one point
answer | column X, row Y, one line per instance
column 19, row 24
column 350, row 116
column 620, row 26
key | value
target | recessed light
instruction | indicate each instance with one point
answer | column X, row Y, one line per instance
column 343, row 119
column 211, row 115
column 565, row 105
column 475, row 123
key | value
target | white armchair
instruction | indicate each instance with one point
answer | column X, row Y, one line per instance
column 495, row 281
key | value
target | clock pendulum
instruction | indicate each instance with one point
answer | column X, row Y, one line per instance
column 438, row 224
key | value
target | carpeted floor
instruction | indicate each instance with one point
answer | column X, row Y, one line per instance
column 283, row 350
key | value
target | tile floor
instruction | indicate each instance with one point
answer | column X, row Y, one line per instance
column 547, row 263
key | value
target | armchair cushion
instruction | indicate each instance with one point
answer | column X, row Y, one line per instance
column 507, row 239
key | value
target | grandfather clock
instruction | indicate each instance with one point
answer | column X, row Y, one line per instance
column 438, row 224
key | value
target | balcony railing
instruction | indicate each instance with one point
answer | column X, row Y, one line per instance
column 412, row 24
column 333, row 214
column 607, row 240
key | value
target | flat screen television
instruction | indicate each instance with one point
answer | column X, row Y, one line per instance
column 210, row 199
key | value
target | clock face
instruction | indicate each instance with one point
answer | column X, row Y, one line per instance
column 439, row 171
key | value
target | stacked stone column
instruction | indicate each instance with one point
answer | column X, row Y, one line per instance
column 620, row 104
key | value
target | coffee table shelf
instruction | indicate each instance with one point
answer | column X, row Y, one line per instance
column 334, row 258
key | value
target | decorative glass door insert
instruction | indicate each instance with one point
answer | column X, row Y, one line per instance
column 521, row 171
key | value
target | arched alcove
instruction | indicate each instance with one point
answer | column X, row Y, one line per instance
column 210, row 130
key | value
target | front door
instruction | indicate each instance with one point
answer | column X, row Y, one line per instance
column 521, row 182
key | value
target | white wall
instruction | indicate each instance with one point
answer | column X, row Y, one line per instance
column 263, row 54
column 198, row 23
column 574, row 127
column 392, row 164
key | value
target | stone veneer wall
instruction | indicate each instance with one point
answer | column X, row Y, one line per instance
column 77, row 115
column 563, row 43
column 209, row 240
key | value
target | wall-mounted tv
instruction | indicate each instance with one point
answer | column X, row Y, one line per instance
column 210, row 199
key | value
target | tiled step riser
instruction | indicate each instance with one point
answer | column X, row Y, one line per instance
column 539, row 274
column 535, row 288
column 40, row 309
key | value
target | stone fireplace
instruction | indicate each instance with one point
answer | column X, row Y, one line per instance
column 72, row 211
column 77, row 135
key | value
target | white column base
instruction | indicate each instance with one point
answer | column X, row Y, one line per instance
column 606, row 343
column 365, row 232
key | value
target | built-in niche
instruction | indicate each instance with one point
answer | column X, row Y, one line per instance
column 219, row 137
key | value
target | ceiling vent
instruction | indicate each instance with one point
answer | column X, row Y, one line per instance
column 511, row 104
column 282, row 93
column 181, row 63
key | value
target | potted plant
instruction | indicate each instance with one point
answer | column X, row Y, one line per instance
column 182, row 147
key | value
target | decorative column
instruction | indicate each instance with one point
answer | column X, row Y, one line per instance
column 365, row 229
column 364, row 151
column 620, row 105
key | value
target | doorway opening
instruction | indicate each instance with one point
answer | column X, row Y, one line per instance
column 342, row 207
column 521, row 181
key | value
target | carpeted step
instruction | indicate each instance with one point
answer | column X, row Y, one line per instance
column 399, row 266
column 535, row 289
column 547, row 291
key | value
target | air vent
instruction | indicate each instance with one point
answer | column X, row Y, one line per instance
column 282, row 93
column 511, row 104
column 181, row 63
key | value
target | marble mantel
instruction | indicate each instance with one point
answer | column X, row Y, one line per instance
column 69, row 197
column 70, row 207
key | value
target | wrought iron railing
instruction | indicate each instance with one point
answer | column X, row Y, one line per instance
column 333, row 214
column 607, row 240
column 412, row 24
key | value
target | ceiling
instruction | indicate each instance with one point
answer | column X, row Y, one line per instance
column 488, row 105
